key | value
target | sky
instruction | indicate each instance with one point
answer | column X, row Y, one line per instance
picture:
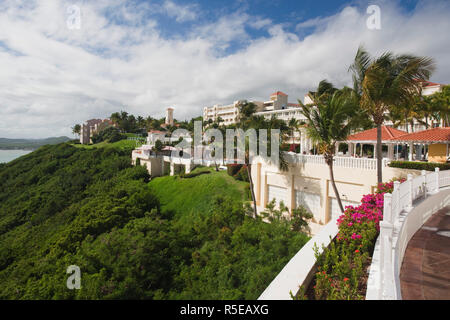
column 64, row 62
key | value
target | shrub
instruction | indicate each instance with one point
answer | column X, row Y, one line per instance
column 342, row 265
column 242, row 174
column 109, row 134
column 300, row 218
column 194, row 174
column 429, row 166
column 234, row 168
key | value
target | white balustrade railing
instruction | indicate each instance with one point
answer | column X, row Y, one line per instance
column 444, row 178
column 345, row 162
column 394, row 235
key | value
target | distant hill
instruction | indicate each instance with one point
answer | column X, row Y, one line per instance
column 29, row 144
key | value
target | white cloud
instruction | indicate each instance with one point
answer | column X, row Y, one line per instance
column 179, row 12
column 53, row 77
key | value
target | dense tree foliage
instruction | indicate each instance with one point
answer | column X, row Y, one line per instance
column 62, row 206
column 110, row 134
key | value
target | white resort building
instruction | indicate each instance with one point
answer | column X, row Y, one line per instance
column 277, row 105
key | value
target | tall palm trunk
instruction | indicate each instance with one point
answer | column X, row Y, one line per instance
column 379, row 154
column 333, row 183
column 249, row 172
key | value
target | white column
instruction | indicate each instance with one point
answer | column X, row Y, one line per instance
column 419, row 152
column 302, row 142
column 391, row 151
column 308, row 145
column 411, row 147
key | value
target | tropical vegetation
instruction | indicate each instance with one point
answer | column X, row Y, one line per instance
column 87, row 206
column 386, row 82
column 342, row 266
column 330, row 119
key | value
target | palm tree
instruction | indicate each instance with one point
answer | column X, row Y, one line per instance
column 140, row 122
column 406, row 113
column 246, row 111
column 330, row 120
column 386, row 81
column 115, row 118
column 440, row 102
column 293, row 125
column 247, row 120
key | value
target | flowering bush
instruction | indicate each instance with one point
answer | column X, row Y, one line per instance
column 388, row 187
column 342, row 266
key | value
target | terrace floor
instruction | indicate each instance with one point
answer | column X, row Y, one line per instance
column 425, row 272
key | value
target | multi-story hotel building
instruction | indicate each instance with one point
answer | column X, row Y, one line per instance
column 278, row 105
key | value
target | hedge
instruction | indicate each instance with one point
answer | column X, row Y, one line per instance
column 193, row 174
column 429, row 166
column 242, row 175
column 233, row 169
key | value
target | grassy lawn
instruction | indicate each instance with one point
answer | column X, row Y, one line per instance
column 122, row 144
column 186, row 196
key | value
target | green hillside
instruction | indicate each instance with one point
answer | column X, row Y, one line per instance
column 194, row 195
column 173, row 238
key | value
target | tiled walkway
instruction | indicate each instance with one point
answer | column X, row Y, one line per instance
column 425, row 272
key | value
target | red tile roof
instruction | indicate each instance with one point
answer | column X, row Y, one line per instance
column 428, row 83
column 387, row 133
column 293, row 104
column 157, row 132
column 431, row 135
column 278, row 93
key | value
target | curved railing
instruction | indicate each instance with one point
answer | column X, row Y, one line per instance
column 405, row 211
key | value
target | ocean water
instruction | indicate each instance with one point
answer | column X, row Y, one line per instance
column 10, row 155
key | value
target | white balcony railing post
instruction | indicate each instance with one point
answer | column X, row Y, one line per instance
column 386, row 273
column 387, row 209
column 396, row 199
column 436, row 172
column 409, row 181
column 423, row 184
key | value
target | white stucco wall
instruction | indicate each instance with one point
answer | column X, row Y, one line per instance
column 352, row 184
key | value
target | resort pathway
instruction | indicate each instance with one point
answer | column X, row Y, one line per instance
column 425, row 272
